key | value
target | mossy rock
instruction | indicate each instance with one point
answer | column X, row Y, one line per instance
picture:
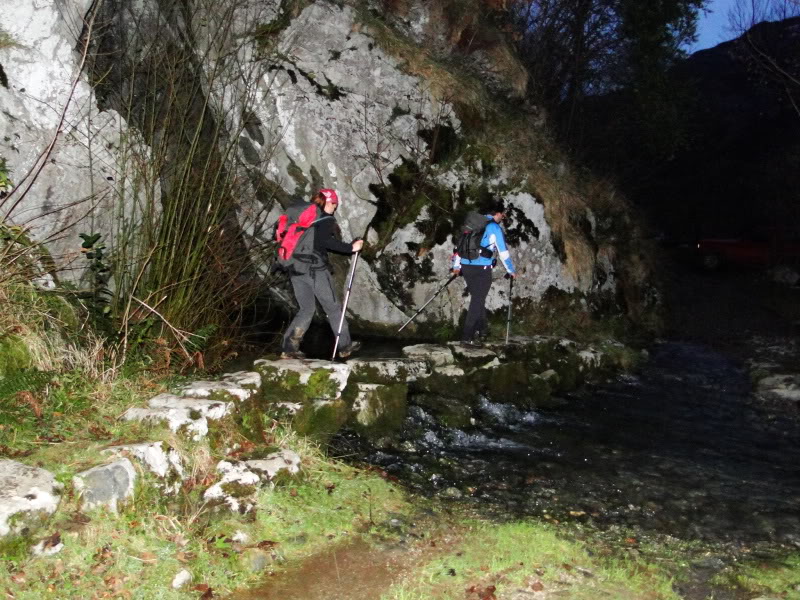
column 448, row 411
column 506, row 382
column 285, row 385
column 619, row 356
column 571, row 372
column 320, row 419
column 14, row 355
column 538, row 392
column 376, row 410
column 464, row 388
column 386, row 371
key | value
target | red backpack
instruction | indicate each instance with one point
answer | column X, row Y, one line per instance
column 295, row 237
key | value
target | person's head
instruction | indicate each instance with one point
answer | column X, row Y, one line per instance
column 497, row 212
column 327, row 200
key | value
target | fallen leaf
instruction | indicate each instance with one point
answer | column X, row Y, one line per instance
column 293, row 492
column 148, row 557
column 51, row 541
column 537, row 586
column 18, row 578
column 266, row 544
column 566, row 567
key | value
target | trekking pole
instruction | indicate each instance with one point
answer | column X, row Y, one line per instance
column 346, row 299
column 508, row 318
column 439, row 291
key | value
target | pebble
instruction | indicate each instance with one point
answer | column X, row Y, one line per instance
column 181, row 579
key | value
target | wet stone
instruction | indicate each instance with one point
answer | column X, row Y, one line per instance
column 433, row 354
column 387, row 370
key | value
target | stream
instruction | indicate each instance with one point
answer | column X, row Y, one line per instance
column 681, row 448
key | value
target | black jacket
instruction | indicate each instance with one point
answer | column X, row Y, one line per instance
column 326, row 238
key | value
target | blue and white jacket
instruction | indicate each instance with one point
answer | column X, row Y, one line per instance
column 494, row 240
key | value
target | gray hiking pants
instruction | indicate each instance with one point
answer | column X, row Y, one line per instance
column 308, row 288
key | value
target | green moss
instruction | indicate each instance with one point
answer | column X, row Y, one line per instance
column 465, row 388
column 377, row 410
column 450, row 412
column 369, row 373
column 14, row 355
column 320, row 419
column 321, row 386
column 235, row 489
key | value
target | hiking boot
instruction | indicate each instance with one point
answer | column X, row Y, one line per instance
column 347, row 352
column 471, row 344
column 293, row 354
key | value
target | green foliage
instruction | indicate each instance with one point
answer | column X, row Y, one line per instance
column 5, row 180
column 14, row 355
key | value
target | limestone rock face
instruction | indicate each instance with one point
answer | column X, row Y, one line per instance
column 27, row 495
column 76, row 184
column 328, row 96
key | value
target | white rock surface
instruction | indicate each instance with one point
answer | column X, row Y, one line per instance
column 283, row 461
column 162, row 462
column 25, row 492
column 210, row 409
column 433, row 354
column 106, row 485
column 177, row 419
column 216, row 389
column 183, row 578
column 393, row 368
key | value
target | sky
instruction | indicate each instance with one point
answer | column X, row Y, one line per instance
column 712, row 26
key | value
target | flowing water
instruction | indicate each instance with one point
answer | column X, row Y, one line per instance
column 681, row 448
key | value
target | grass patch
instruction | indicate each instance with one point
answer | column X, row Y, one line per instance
column 529, row 556
column 776, row 577
column 137, row 552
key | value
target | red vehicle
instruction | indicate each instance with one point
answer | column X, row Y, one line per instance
column 764, row 248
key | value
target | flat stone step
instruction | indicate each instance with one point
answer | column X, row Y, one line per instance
column 210, row 409
column 177, row 419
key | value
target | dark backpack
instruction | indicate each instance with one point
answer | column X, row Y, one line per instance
column 295, row 237
column 469, row 244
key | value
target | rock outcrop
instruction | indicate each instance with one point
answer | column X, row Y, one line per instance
column 298, row 95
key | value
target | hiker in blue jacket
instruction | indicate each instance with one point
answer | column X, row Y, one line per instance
column 477, row 275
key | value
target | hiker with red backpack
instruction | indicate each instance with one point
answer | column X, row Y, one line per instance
column 306, row 233
column 474, row 256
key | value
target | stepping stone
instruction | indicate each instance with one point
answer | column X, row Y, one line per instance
column 388, row 370
column 210, row 409
column 433, row 354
